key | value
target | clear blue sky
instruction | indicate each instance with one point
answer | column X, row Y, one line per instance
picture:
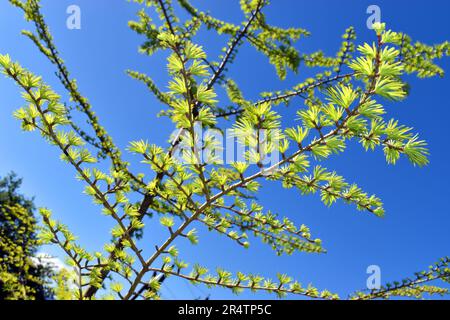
column 415, row 231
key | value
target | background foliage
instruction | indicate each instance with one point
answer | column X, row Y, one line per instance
column 21, row 276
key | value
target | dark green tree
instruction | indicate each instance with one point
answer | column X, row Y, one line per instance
column 21, row 275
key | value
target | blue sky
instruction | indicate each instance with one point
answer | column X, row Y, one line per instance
column 415, row 231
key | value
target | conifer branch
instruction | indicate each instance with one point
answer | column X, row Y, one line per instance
column 337, row 108
column 233, row 45
column 414, row 287
column 248, row 284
